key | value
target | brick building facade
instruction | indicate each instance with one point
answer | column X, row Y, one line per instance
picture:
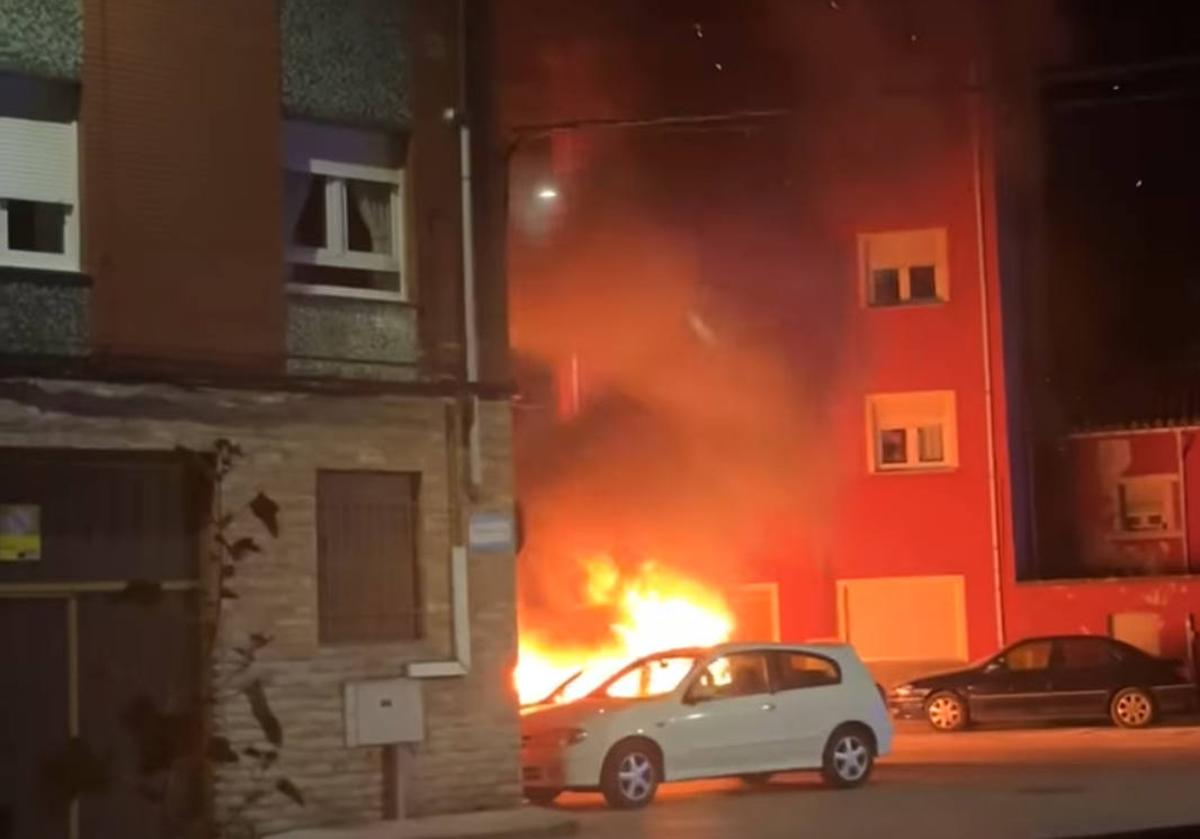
column 257, row 235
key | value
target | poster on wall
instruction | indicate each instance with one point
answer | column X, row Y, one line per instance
column 20, row 533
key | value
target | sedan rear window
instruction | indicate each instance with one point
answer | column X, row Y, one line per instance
column 1086, row 653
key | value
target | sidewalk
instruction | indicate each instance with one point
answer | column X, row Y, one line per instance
column 518, row 823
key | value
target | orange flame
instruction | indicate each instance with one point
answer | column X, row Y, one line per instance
column 654, row 609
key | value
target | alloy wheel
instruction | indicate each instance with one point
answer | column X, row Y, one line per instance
column 851, row 758
column 635, row 776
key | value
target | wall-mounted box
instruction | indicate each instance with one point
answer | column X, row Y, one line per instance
column 383, row 711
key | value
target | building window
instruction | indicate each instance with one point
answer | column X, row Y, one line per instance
column 39, row 190
column 911, row 431
column 1146, row 504
column 904, row 267
column 367, row 557
column 344, row 211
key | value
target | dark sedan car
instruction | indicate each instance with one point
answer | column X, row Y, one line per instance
column 1062, row 678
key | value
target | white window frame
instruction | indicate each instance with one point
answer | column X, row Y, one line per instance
column 913, row 249
column 68, row 260
column 1168, row 488
column 923, row 409
column 336, row 254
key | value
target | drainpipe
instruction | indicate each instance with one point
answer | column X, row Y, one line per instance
column 460, row 663
column 986, row 331
column 470, row 315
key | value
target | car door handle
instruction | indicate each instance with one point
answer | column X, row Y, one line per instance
column 768, row 706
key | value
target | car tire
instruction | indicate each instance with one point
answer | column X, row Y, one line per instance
column 1132, row 708
column 946, row 712
column 849, row 757
column 541, row 796
column 757, row 779
column 631, row 775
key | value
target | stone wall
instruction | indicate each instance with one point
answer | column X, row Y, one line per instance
column 345, row 60
column 41, row 38
column 469, row 759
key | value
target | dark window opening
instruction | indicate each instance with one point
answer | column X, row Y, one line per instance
column 308, row 193
column 893, row 446
column 922, row 283
column 885, row 287
column 36, row 226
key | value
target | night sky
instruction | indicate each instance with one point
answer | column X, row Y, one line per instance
column 1123, row 194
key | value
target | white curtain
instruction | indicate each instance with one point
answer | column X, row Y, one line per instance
column 374, row 205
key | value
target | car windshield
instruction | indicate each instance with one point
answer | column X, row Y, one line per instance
column 648, row 677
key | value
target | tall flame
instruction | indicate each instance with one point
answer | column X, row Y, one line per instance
column 654, row 609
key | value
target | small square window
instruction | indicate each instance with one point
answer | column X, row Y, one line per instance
column 343, row 203
column 929, row 444
column 893, row 446
column 903, row 266
column 922, row 284
column 885, row 287
column 912, row 432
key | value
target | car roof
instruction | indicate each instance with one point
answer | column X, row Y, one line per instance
column 1066, row 637
column 820, row 648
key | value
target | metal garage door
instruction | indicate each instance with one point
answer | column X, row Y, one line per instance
column 75, row 654
column 904, row 618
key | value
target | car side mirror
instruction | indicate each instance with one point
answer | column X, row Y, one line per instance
column 994, row 666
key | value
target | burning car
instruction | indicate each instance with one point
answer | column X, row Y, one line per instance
column 746, row 710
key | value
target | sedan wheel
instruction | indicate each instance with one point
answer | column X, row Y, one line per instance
column 1132, row 708
column 630, row 777
column 849, row 757
column 946, row 712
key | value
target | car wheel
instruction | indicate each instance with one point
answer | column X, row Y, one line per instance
column 757, row 779
column 541, row 795
column 631, row 775
column 1132, row 708
column 946, row 712
column 849, row 757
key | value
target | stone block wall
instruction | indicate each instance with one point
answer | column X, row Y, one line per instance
column 469, row 759
column 41, row 37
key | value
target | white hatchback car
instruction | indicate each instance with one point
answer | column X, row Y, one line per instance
column 746, row 710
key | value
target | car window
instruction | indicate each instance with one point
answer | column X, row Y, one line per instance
column 737, row 674
column 1085, row 653
column 802, row 670
column 652, row 677
column 1032, row 655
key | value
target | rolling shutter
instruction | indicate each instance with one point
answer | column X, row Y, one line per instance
column 38, row 160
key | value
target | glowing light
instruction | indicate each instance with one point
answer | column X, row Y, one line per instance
column 547, row 193
column 654, row 609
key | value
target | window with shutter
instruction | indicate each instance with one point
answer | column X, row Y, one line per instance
column 39, row 183
column 367, row 557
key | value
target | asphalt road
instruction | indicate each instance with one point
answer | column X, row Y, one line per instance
column 1056, row 782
